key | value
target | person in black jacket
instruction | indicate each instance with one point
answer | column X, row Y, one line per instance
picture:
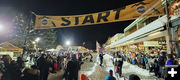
column 14, row 71
column 161, row 62
column 156, row 68
column 119, row 65
column 101, row 58
column 72, row 68
column 43, row 65
column 21, row 62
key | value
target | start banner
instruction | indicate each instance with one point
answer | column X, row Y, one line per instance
column 129, row 12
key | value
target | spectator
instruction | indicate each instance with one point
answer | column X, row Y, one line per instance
column 151, row 64
column 14, row 70
column 31, row 57
column 21, row 63
column 119, row 65
column 142, row 62
column 60, row 61
column 91, row 58
column 72, row 68
column 176, row 60
column 101, row 58
column 146, row 62
column 83, row 77
column 133, row 77
column 156, row 68
column 43, row 65
column 56, row 67
column 31, row 73
column 161, row 62
column 2, row 70
column 110, row 77
column 169, row 60
column 1, row 74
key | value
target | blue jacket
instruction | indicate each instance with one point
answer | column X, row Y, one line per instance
column 110, row 78
column 145, row 60
column 169, row 62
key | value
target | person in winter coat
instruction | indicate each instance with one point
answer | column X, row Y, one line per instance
column 146, row 62
column 31, row 57
column 60, row 59
column 176, row 60
column 151, row 64
column 56, row 66
column 14, row 70
column 110, row 77
column 91, row 58
column 156, row 68
column 21, row 62
column 161, row 62
column 142, row 63
column 169, row 60
column 43, row 65
column 101, row 58
column 83, row 77
column 6, row 63
column 72, row 68
column 139, row 59
column 31, row 73
column 1, row 74
column 119, row 65
column 134, row 77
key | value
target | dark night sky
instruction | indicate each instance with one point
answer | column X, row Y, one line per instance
column 78, row 35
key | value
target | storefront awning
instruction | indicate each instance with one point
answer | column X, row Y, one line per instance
column 152, row 27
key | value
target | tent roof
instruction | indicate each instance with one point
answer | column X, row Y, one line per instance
column 8, row 45
column 77, row 47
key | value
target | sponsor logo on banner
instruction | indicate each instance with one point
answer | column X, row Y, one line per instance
column 141, row 9
column 44, row 22
column 129, row 12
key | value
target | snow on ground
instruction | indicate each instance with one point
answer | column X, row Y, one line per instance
column 88, row 73
column 109, row 65
column 135, row 69
column 127, row 68
column 108, row 61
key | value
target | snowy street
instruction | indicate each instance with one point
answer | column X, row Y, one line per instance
column 128, row 69
column 96, row 72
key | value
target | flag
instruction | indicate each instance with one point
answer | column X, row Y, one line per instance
column 98, row 47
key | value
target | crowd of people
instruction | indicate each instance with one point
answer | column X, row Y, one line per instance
column 155, row 62
column 44, row 64
column 70, row 64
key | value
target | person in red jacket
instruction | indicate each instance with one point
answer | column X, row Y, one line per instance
column 56, row 68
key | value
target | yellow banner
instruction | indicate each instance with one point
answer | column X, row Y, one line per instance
column 129, row 12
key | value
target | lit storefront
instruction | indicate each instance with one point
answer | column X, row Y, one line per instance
column 174, row 9
column 143, row 38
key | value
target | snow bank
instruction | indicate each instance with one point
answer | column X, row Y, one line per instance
column 131, row 68
column 109, row 63
column 127, row 68
column 134, row 69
